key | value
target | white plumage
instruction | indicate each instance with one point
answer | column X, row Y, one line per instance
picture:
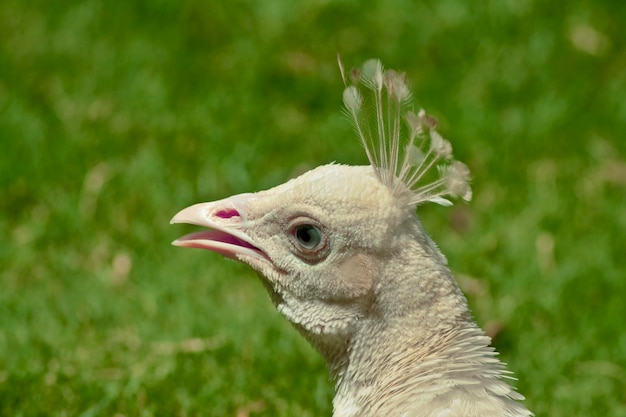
column 345, row 259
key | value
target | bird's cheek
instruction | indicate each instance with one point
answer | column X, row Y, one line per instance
column 356, row 276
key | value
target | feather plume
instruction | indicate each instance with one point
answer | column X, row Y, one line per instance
column 401, row 145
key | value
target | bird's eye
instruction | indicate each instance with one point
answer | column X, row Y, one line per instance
column 308, row 236
column 310, row 240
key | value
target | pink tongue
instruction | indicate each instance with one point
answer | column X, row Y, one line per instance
column 217, row 236
column 203, row 240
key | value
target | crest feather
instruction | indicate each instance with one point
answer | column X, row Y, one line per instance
column 401, row 145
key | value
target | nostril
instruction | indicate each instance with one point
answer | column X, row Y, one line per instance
column 227, row 213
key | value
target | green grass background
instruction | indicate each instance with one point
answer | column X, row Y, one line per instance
column 115, row 115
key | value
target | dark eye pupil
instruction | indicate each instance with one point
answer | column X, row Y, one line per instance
column 308, row 236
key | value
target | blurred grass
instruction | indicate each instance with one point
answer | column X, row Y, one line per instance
column 113, row 116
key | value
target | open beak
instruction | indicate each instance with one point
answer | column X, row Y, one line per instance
column 227, row 222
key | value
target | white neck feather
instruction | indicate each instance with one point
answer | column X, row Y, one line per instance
column 454, row 374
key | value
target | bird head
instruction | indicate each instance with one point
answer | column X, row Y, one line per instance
column 323, row 241
column 317, row 242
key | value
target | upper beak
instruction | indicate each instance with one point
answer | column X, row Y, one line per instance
column 227, row 220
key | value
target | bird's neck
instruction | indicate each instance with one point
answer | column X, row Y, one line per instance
column 424, row 375
column 421, row 348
